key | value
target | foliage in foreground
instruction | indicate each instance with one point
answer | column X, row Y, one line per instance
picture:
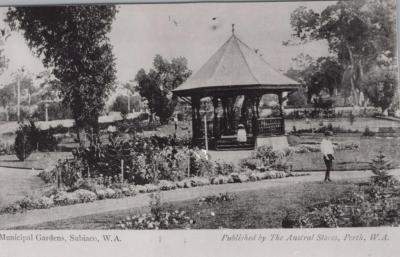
column 161, row 218
column 376, row 203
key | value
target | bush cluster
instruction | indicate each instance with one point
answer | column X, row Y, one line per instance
column 372, row 206
column 215, row 199
column 29, row 138
column 376, row 203
column 138, row 160
column 99, row 188
column 151, row 164
column 6, row 149
column 315, row 148
column 264, row 158
column 330, row 113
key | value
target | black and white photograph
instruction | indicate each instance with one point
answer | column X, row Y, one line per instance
column 195, row 116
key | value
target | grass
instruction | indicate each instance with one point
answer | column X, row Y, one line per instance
column 37, row 160
column 349, row 159
column 359, row 123
column 250, row 209
column 15, row 184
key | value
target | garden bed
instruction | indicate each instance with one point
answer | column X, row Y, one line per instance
column 52, row 197
column 368, row 205
column 262, row 208
column 357, row 158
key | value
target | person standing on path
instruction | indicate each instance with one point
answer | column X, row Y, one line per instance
column 327, row 152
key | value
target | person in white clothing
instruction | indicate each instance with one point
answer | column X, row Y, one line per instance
column 327, row 152
column 241, row 134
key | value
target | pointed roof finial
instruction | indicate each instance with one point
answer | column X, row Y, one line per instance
column 233, row 28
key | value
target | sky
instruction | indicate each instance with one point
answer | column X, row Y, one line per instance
column 140, row 31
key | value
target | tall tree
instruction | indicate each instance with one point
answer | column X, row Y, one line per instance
column 5, row 92
column 72, row 41
column 6, row 98
column 357, row 32
column 157, row 84
column 325, row 73
column 49, row 87
column 380, row 84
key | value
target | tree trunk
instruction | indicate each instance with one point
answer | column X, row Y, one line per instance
column 352, row 76
column 7, row 115
column 82, row 137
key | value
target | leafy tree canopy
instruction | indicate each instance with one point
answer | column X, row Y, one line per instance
column 380, row 84
column 72, row 41
column 157, row 84
column 360, row 33
column 325, row 73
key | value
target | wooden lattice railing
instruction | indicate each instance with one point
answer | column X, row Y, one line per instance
column 271, row 126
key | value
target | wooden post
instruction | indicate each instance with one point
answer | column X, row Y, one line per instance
column 194, row 134
column 58, row 174
column 19, row 97
column 46, row 106
column 280, row 98
column 122, row 170
column 188, row 168
column 215, row 120
column 205, row 131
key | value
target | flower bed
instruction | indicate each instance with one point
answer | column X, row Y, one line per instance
column 315, row 147
column 53, row 197
column 375, row 203
column 146, row 165
column 6, row 148
column 371, row 206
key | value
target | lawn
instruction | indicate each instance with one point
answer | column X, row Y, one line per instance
column 348, row 159
column 17, row 183
column 37, row 160
column 250, row 209
column 359, row 124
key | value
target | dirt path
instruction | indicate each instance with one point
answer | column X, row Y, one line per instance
column 72, row 211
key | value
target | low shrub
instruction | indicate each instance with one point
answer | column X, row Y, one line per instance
column 11, row 208
column 24, row 140
column 266, row 154
column 216, row 199
column 166, row 185
column 110, row 193
column 256, row 176
column 164, row 220
column 380, row 166
column 220, row 179
column 48, row 176
column 199, row 181
column 85, row 195
column 101, row 194
column 368, row 133
column 224, row 168
column 141, row 189
column 376, row 203
column 250, row 163
column 118, row 193
column 6, row 149
column 239, row 178
column 35, row 202
column 64, row 198
column 150, row 188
